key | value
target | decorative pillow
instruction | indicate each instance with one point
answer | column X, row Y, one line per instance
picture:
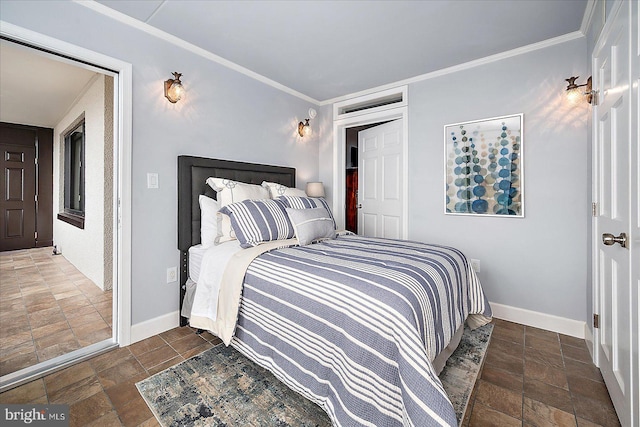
column 276, row 190
column 296, row 202
column 257, row 221
column 230, row 191
column 208, row 220
column 311, row 224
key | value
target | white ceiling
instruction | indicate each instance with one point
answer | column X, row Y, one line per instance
column 328, row 49
column 37, row 88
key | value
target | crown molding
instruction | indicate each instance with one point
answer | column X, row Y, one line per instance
column 465, row 66
column 142, row 26
column 169, row 38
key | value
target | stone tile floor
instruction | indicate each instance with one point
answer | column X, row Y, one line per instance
column 47, row 308
column 531, row 377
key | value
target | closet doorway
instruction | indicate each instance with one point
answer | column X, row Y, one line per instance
column 62, row 294
column 366, row 118
column 353, row 197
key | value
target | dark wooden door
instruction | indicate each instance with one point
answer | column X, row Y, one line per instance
column 17, row 204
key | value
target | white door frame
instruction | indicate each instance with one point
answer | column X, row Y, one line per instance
column 339, row 159
column 122, row 182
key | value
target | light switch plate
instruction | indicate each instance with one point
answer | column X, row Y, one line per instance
column 152, row 180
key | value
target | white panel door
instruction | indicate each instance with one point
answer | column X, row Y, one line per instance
column 613, row 187
column 380, row 181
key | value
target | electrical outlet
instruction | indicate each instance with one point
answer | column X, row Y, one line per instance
column 172, row 274
column 475, row 263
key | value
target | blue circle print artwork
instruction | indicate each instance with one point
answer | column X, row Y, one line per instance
column 483, row 164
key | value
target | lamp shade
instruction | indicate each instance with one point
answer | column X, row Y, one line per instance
column 315, row 189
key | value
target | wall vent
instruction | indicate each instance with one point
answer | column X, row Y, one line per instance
column 378, row 101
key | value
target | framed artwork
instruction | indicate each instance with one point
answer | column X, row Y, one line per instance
column 483, row 167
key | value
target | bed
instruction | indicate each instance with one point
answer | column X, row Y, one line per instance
column 360, row 326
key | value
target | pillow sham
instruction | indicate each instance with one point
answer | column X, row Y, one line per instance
column 296, row 202
column 257, row 221
column 276, row 190
column 208, row 220
column 311, row 224
column 230, row 191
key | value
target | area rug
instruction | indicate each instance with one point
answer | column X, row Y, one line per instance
column 222, row 388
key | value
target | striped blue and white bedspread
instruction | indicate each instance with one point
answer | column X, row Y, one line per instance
column 354, row 323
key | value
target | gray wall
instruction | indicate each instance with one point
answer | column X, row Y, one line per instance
column 225, row 115
column 538, row 262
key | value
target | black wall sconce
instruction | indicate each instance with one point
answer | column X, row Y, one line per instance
column 173, row 89
column 574, row 93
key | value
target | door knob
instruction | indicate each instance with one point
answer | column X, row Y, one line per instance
column 609, row 239
column 359, row 206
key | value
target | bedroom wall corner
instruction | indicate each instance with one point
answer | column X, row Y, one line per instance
column 325, row 150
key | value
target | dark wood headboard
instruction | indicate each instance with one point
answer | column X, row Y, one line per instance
column 192, row 174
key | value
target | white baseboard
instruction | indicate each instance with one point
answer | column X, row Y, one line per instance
column 574, row 328
column 149, row 328
column 549, row 322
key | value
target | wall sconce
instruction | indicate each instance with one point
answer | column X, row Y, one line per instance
column 303, row 128
column 574, row 93
column 173, row 89
column 315, row 189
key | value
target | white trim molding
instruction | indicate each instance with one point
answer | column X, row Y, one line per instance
column 170, row 38
column 190, row 47
column 549, row 322
column 148, row 328
column 460, row 67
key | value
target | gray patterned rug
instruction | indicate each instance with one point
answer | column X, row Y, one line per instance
column 221, row 388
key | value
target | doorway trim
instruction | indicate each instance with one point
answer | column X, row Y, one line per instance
column 391, row 112
column 122, row 75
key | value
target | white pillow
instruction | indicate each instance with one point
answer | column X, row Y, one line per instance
column 208, row 220
column 276, row 190
column 230, row 191
column 225, row 231
column 311, row 224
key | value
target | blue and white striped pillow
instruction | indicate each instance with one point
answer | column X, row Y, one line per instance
column 296, row 202
column 257, row 221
